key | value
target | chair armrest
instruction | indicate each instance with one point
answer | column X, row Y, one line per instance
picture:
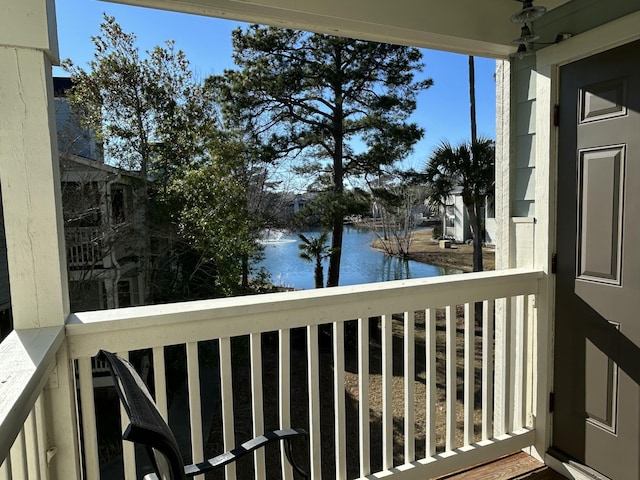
column 246, row 448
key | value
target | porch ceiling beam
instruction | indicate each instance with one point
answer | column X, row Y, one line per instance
column 464, row 26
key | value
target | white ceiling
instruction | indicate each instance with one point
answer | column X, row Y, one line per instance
column 478, row 27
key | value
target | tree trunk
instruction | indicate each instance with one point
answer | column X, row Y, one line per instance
column 318, row 274
column 472, row 100
column 333, row 276
column 245, row 271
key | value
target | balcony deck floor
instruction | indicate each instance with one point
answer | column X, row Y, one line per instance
column 516, row 466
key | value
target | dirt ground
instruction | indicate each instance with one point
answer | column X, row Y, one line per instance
column 460, row 256
column 423, row 249
column 300, row 400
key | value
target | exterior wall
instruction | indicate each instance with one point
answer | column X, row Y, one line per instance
column 526, row 160
column 524, row 110
column 517, row 157
column 491, row 231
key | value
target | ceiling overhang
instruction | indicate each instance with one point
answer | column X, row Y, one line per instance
column 475, row 27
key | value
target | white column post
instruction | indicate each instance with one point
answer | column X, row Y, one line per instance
column 29, row 169
column 30, row 179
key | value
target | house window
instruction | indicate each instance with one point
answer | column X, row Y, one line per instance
column 117, row 205
column 81, row 204
column 125, row 293
column 450, row 216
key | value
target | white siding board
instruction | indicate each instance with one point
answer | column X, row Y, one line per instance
column 525, row 84
column 525, row 184
column 525, row 118
column 525, row 151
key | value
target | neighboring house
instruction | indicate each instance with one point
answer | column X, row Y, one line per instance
column 102, row 234
column 101, row 217
column 561, row 377
column 455, row 220
column 72, row 138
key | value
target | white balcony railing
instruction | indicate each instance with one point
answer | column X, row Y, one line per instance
column 27, row 359
column 84, row 247
column 396, row 377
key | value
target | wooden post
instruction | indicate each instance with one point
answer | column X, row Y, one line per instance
column 29, row 173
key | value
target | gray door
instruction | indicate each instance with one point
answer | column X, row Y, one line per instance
column 596, row 420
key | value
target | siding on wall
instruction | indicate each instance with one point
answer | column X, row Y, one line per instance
column 524, row 110
column 578, row 16
column 573, row 17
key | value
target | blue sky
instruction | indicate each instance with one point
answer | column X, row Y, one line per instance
column 443, row 110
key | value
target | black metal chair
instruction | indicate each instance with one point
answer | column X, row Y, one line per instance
column 148, row 428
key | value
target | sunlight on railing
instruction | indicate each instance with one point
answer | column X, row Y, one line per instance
column 26, row 362
column 385, row 377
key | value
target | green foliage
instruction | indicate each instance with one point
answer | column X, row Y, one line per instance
column 200, row 183
column 315, row 249
column 139, row 106
column 314, row 97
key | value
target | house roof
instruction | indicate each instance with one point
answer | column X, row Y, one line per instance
column 87, row 163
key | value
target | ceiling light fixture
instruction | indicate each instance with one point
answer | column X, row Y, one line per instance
column 523, row 51
column 526, row 36
column 529, row 13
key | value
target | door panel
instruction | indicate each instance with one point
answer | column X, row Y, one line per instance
column 596, row 419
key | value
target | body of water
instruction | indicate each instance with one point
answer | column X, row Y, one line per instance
column 360, row 263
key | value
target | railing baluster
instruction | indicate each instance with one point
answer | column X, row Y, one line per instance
column 32, row 446
column 339, row 401
column 431, row 394
column 89, row 430
column 313, row 369
column 520, row 373
column 531, row 365
column 19, row 456
column 387, row 392
column 469, row 372
column 41, row 429
column 5, row 469
column 409, row 388
column 284, row 363
column 226, row 394
column 128, row 450
column 502, row 368
column 451, row 379
column 160, row 381
column 195, row 404
column 487, row 369
column 513, row 360
column 257, row 410
column 363, row 396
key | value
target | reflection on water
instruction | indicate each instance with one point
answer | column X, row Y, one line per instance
column 360, row 263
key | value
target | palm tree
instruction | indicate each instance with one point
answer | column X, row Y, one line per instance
column 315, row 249
column 470, row 167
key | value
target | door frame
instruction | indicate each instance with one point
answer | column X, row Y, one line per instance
column 548, row 63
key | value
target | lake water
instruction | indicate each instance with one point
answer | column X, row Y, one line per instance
column 360, row 263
